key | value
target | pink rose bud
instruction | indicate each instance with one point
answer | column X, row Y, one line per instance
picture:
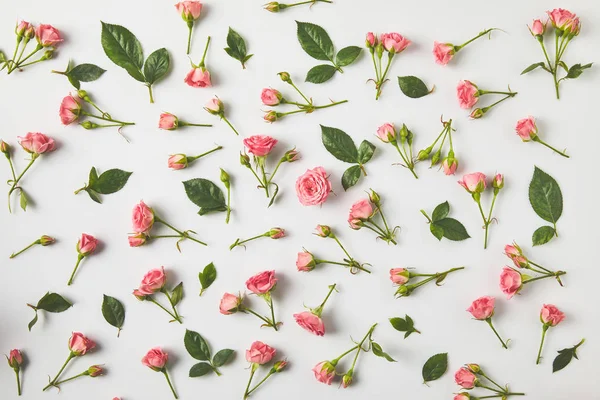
column 47, row 35
column 270, row 97
column 29, row 32
column 46, row 240
column 271, row 116
column 189, row 10
column 462, row 396
column 386, row 133
column 87, row 244
column 465, row 378
column 550, row 315
column 5, row 148
column 561, row 18
column 177, row 161
column 511, row 282
column 36, row 143
column 310, row 322
column 22, row 27
column 516, row 255
column 260, row 145
column 80, row 344
column 305, row 262
column 449, row 165
column 467, row 94
column 537, row 28
column 394, row 42
column 154, row 281
column 230, row 304
column 285, row 76
column 139, row 295
column 476, row 113
column 482, row 308
column 142, row 218
column 69, row 111
column 15, row 359
column 399, row 276
column 275, row 6
column 262, row 283
column 94, row 371
column 324, row 372
column 168, row 122
column 443, row 52
column 323, row 231
column 371, row 40
column 259, row 353
column 155, row 359
column 313, row 187
column 280, row 366
column 573, row 27
column 527, row 129
column 291, row 155
column 276, row 233
column 498, row 181
column 214, row 106
column 347, row 380
column 137, row 239
column 359, row 212
column 198, row 77
column 473, row 183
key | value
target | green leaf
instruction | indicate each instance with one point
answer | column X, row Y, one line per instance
column 23, row 199
column 404, row 325
column 347, row 55
column 237, row 47
column 196, row 346
column 200, row 369
column 54, row 303
column 339, row 144
column 378, row 351
column 206, row 195
column 207, row 277
column 93, row 177
column 543, row 235
column 222, row 357
column 351, row 176
column 94, row 195
column 365, row 151
column 177, row 294
column 32, row 322
column 110, row 181
column 113, row 311
column 122, row 47
column 565, row 356
column 435, row 367
column 320, row 73
column 315, row 41
column 76, row 84
column 576, row 70
column 532, row 67
column 453, row 229
column 413, row 87
column 157, row 65
column 545, row 196
column 86, row 72
column 437, row 231
column 441, row 211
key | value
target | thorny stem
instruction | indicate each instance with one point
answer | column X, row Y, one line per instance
column 264, row 180
column 457, row 48
column 60, row 371
column 163, row 308
column 183, row 235
column 537, row 139
column 489, row 321
column 13, row 255
column 272, row 312
column 177, row 316
column 252, row 371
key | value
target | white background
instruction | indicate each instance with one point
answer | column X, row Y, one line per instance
column 30, row 102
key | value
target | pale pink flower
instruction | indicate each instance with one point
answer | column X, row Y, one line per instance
column 443, row 52
column 261, row 283
column 394, row 42
column 198, row 77
column 260, row 353
column 260, row 145
column 310, row 322
column 527, row 129
column 467, row 94
column 155, row 359
column 482, row 308
column 551, row 315
column 313, row 187
column 511, row 282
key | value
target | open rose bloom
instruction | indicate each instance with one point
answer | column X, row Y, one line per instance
column 156, row 359
column 305, row 261
column 394, row 42
column 551, row 315
column 48, row 36
column 443, row 52
column 360, row 211
column 198, row 77
column 36, row 143
column 473, row 183
column 262, row 283
column 189, row 10
column 467, row 94
column 313, row 187
column 482, row 308
column 526, row 129
column 142, row 218
column 87, row 244
column 153, row 281
column 270, row 97
column 511, row 282
column 260, row 145
column 260, row 353
column 324, row 372
column 69, row 110
column 465, row 378
column 230, row 304
column 310, row 322
column 79, row 344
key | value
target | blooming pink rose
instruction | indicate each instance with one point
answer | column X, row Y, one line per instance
column 153, row 281
column 394, row 42
column 560, row 17
column 87, row 244
column 510, row 282
column 189, row 10
column 386, row 132
column 526, row 129
column 443, row 52
column 313, row 187
column 449, row 167
column 467, row 94
column 361, row 210
column 260, row 145
column 516, row 255
column 47, row 35
column 262, row 283
column 465, row 378
column 214, row 106
column 324, row 372
column 142, row 218
column 156, row 359
column 310, row 322
column 229, row 304
column 168, row 122
column 15, row 358
column 177, row 161
column 482, row 308
column 371, row 40
column 270, row 97
column 80, row 344
column 259, row 353
column 474, row 183
column 305, row 261
column 551, row 315
column 69, row 110
column 537, row 27
column 399, row 275
column 198, row 77
column 36, row 143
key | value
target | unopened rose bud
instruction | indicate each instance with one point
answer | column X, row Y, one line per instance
column 15, row 359
column 271, row 116
column 374, row 197
column 5, row 148
column 498, row 182
column 276, row 233
column 46, row 240
column 404, row 132
column 139, row 295
column 48, row 54
column 404, row 290
column 215, row 106
column 245, row 160
column 291, row 156
column 537, row 28
column 347, row 379
column 29, row 32
column 323, row 231
column 225, row 178
column 436, row 158
column 371, row 41
column 476, row 113
column 89, row 125
column 21, row 28
column 137, row 240
column 474, row 368
column 285, row 77
column 379, row 50
column 84, row 95
column 279, row 366
column 177, row 161
column 94, row 371
column 424, row 154
column 275, row 6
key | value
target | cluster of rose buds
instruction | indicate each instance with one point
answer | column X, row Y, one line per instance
column 34, row 143
column 260, row 146
column 550, row 316
column 313, row 187
column 48, row 38
column 402, row 277
column 85, row 246
column 468, row 95
column 402, row 140
column 393, row 43
column 311, row 320
column 363, row 213
column 170, row 122
column 482, row 309
column 44, row 240
column 181, row 161
column 155, row 281
column 273, row 233
column 15, row 360
column 275, row 6
column 261, row 284
column 527, row 130
column 449, row 162
column 472, row 376
column 199, row 76
column 272, row 98
column 216, row 107
column 476, row 183
column 444, row 52
column 143, row 219
column 156, row 359
column 190, row 12
column 257, row 355
column 71, row 110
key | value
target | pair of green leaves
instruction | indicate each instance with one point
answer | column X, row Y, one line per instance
column 113, row 312
column 413, row 87
column 51, row 302
column 406, row 325
column 546, row 199
column 441, row 225
column 82, row 73
column 108, row 182
column 197, row 347
column 342, row 147
column 206, row 195
column 207, row 277
column 572, row 73
column 316, row 43
column 435, row 367
column 378, row 351
column 237, row 47
column 124, row 49
column 565, row 356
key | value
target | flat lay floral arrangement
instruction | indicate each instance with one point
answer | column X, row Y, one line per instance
column 276, row 165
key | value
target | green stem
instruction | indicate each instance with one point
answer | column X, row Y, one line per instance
column 170, row 384
column 189, row 41
column 375, row 65
column 382, row 78
column 458, row 48
column 378, row 232
column 60, row 371
column 162, row 308
column 183, row 123
column 79, row 258
column 103, row 118
column 12, row 168
column 547, row 58
column 489, row 321
column 272, row 312
column 537, row 278
column 205, row 50
column 252, row 371
column 537, row 139
column 300, row 92
column 485, row 223
column 37, row 48
column 489, row 379
column 12, row 61
column 204, row 154
column 177, row 316
column 281, row 161
column 342, row 247
column 13, row 255
column 539, row 355
column 228, row 204
column 556, row 65
column 330, row 105
column 229, row 123
column 70, row 379
column 183, row 235
column 342, row 264
column 265, row 378
column 264, row 319
column 344, row 354
column 264, row 179
column 18, row 382
column 447, row 128
column 539, row 266
column 32, row 62
column 319, row 309
column 250, row 239
column 150, row 93
column 426, row 216
column 482, row 92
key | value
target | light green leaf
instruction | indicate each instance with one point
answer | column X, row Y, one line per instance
column 543, row 235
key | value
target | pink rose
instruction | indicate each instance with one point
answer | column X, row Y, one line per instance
column 276, row 233
column 95, row 370
column 313, row 187
column 324, row 372
column 399, row 275
column 394, row 42
column 550, row 315
column 36, row 143
column 467, row 94
column 137, row 240
column 153, row 281
column 198, row 77
column 155, row 359
column 270, row 97
column 229, row 304
column 371, row 40
column 168, row 122
column 361, row 210
column 323, row 231
column 305, row 262
column 259, row 353
column 443, row 52
column 22, row 27
column 537, row 28
column 47, row 35
column 462, row 396
column 386, row 133
column 482, row 308
column 87, row 244
column 69, row 110
column 270, row 116
column 473, row 183
column 310, row 322
column 498, row 181
column 260, row 145
column 511, row 282
column 465, row 378
column 142, row 218
column 449, row 165
column 80, row 344
column 526, row 129
column 262, row 283
column 561, row 18
column 189, row 10
column 139, row 295
column 15, row 358
column 177, row 161
column 214, row 106
column 516, row 255
column 573, row 26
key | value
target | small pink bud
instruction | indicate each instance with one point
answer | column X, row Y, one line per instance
column 347, row 380
column 137, row 239
column 274, row 6
column 550, row 315
column 280, row 366
column 305, row 261
column 5, row 148
column 168, row 122
column 323, row 231
column 399, row 276
column 498, row 182
column 87, row 244
column 189, row 10
column 537, row 28
column 526, row 129
column 371, row 40
column 177, row 161
column 276, row 233
column 386, row 133
column 476, row 113
column 94, row 371
column 450, row 165
column 230, row 304
column 46, row 240
column 285, row 77
column 474, row 368
column 270, row 116
column 215, row 106
column 270, row 97
column 291, row 155
column 139, row 295
column 15, row 359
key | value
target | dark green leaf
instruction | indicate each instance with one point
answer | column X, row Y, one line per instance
column 543, row 235
column 453, row 229
column 437, row 231
column 339, row 144
column 122, row 47
column 237, row 47
column 110, row 181
column 577, row 70
column 315, row 41
column 565, row 356
column 564, row 66
column 23, row 200
column 435, row 367
column 86, row 72
column 94, row 195
column 347, row 55
column 532, row 67
column 207, row 277
column 196, row 346
column 545, row 196
column 200, row 369
column 157, row 65
column 400, row 324
column 351, row 176
column 177, row 294
column 378, row 351
column 54, row 303
column 76, row 84
column 320, row 73
column 413, row 87
column 113, row 311
column 441, row 211
column 93, row 177
column 32, row 322
column 365, row 151
column 222, row 357
column 206, row 195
